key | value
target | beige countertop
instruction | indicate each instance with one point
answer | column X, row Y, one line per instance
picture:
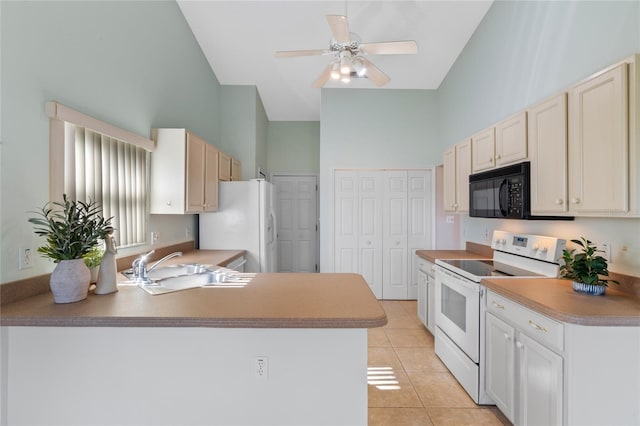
column 269, row 300
column 473, row 251
column 555, row 298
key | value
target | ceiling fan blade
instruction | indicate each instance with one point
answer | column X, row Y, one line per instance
column 339, row 28
column 390, row 48
column 374, row 74
column 293, row 53
column 323, row 77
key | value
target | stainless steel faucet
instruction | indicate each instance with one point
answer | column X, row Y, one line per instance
column 139, row 266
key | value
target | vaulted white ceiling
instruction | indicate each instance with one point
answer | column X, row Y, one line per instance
column 239, row 39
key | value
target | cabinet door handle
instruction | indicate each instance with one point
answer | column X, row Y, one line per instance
column 575, row 200
column 497, row 305
column 498, row 157
column 536, row 326
column 559, row 201
column 507, row 337
column 519, row 345
column 491, row 160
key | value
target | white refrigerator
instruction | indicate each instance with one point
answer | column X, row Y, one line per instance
column 245, row 220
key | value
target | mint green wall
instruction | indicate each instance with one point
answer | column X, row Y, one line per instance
column 363, row 128
column 293, row 146
column 134, row 64
column 524, row 51
column 244, row 128
column 521, row 53
column 262, row 130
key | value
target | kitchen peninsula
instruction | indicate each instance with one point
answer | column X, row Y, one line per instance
column 190, row 357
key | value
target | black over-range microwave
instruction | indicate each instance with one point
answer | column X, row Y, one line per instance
column 503, row 193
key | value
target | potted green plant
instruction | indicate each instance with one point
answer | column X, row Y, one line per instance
column 586, row 268
column 72, row 229
column 92, row 259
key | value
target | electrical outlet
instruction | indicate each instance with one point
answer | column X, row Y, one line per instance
column 25, row 258
column 606, row 251
column 154, row 237
column 262, row 367
column 187, row 232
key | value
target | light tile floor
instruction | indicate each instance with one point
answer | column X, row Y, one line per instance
column 408, row 384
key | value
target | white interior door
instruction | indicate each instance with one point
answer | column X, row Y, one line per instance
column 395, row 281
column 297, row 213
column 370, row 262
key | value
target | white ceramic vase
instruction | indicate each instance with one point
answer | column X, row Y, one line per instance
column 69, row 281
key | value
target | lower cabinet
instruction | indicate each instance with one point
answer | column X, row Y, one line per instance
column 426, row 293
column 522, row 376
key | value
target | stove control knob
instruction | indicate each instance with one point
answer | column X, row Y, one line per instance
column 543, row 249
column 503, row 241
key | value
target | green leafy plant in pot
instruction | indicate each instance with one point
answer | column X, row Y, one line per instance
column 92, row 259
column 586, row 268
column 72, row 230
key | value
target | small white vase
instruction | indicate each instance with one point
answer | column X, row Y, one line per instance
column 69, row 281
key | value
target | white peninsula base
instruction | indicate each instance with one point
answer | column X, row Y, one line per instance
column 183, row 376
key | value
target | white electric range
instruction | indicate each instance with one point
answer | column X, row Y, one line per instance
column 459, row 300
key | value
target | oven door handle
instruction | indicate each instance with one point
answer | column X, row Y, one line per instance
column 503, row 198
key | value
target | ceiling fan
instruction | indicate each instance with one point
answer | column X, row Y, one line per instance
column 349, row 55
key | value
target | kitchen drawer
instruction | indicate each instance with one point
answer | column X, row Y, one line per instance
column 425, row 265
column 540, row 327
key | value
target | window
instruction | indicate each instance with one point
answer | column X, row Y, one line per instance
column 94, row 160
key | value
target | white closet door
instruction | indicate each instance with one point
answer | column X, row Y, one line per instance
column 370, row 255
column 394, row 228
column 346, row 221
column 419, row 219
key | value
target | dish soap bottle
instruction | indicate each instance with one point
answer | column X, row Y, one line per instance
column 107, row 275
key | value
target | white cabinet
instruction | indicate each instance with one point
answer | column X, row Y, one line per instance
column 426, row 293
column 505, row 143
column 457, row 168
column 184, row 173
column 500, row 364
column 380, row 218
column 523, row 375
column 547, row 130
column 540, row 383
column 483, row 150
column 599, row 144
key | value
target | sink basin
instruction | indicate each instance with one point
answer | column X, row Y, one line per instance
column 181, row 277
column 178, row 270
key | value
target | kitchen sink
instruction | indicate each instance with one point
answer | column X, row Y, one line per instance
column 172, row 278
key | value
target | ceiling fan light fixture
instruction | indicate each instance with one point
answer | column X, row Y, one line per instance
column 345, row 63
column 335, row 71
column 359, row 67
column 346, row 78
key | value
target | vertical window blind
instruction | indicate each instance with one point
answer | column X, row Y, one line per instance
column 111, row 172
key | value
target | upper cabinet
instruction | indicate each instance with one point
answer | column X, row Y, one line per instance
column 229, row 168
column 483, row 150
column 511, row 139
column 236, row 169
column 583, row 145
column 502, row 144
column 599, row 143
column 547, row 130
column 184, row 173
column 457, row 168
column 224, row 170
